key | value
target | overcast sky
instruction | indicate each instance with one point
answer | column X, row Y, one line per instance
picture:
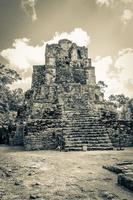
column 105, row 26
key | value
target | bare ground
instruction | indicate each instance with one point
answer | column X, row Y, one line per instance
column 52, row 175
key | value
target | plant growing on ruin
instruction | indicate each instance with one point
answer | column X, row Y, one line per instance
column 102, row 85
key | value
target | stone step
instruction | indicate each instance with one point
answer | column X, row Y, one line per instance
column 93, row 141
column 82, row 120
column 101, row 139
column 88, row 148
column 88, row 145
column 89, row 136
column 84, row 125
column 83, row 131
column 74, row 148
column 81, row 115
column 70, row 114
column 83, row 112
column 83, row 128
column 99, row 142
column 87, row 140
column 81, row 134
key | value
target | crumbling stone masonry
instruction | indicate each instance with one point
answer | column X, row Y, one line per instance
column 62, row 102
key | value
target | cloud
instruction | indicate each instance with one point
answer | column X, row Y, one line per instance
column 124, row 64
column 117, row 74
column 102, row 65
column 104, row 2
column 126, row 1
column 126, row 16
column 123, row 6
column 125, row 51
column 25, row 84
column 112, row 2
column 22, row 55
column 78, row 36
column 102, row 68
column 29, row 8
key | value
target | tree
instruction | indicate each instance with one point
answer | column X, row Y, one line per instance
column 102, row 85
column 16, row 99
column 120, row 99
column 121, row 102
column 7, row 77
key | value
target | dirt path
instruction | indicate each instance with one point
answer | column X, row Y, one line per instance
column 50, row 175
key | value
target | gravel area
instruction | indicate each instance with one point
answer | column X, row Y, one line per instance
column 53, row 175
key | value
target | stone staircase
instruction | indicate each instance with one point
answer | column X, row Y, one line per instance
column 85, row 132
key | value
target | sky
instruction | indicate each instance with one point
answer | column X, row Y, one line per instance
column 104, row 26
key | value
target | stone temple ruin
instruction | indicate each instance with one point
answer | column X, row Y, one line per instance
column 62, row 103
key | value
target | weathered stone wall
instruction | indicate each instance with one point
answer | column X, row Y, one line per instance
column 120, row 131
column 38, row 76
column 90, row 75
column 68, row 63
column 42, row 134
column 19, row 134
column 3, row 135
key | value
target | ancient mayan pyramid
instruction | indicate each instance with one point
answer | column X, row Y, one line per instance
column 63, row 102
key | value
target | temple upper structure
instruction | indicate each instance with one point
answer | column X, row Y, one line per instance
column 66, row 65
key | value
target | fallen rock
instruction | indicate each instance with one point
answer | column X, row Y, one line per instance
column 32, row 196
column 36, row 183
column 109, row 196
column 126, row 180
column 35, row 196
column 18, row 182
column 125, row 173
column 113, row 168
column 6, row 172
column 107, row 179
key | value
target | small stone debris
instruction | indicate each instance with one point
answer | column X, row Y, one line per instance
column 113, row 168
column 36, row 184
column 107, row 179
column 35, row 196
column 5, row 172
column 29, row 174
column 2, row 193
column 18, row 182
column 109, row 196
